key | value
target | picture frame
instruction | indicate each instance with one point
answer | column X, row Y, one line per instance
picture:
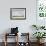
column 17, row 13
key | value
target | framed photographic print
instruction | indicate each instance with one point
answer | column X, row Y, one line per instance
column 17, row 13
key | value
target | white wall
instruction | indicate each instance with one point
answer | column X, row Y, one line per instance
column 24, row 25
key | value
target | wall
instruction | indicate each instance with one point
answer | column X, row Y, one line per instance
column 24, row 25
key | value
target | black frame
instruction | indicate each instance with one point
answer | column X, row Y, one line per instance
column 17, row 18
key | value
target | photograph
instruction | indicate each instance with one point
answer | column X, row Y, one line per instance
column 17, row 13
